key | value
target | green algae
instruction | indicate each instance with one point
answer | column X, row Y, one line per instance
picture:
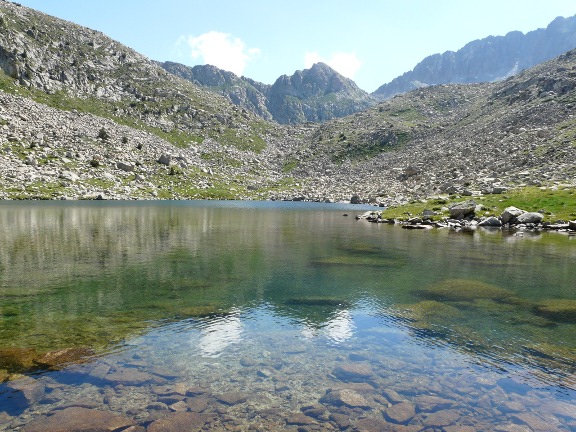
column 465, row 290
column 318, row 301
column 359, row 260
column 559, row 310
column 430, row 309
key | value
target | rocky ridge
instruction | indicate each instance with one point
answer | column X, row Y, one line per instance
column 490, row 59
column 317, row 94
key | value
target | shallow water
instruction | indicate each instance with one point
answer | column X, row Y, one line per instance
column 281, row 316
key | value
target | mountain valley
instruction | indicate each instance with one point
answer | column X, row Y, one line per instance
column 84, row 117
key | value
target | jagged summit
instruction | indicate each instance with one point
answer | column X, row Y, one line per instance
column 490, row 59
column 316, row 94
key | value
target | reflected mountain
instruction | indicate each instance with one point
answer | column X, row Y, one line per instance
column 91, row 277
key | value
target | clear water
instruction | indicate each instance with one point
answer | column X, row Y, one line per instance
column 252, row 313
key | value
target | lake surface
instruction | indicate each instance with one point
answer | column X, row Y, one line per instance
column 274, row 316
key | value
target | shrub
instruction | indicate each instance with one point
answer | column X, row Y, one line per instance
column 103, row 134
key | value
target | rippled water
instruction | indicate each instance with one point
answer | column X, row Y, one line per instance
column 271, row 316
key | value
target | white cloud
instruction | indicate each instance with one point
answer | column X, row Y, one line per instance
column 348, row 64
column 221, row 50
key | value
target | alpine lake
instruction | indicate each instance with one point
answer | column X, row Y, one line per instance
column 152, row 316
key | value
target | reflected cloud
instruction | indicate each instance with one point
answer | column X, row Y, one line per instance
column 338, row 329
column 341, row 328
column 219, row 334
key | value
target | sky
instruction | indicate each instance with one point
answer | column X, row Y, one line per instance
column 369, row 41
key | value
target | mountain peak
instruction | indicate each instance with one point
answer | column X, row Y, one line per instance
column 319, row 93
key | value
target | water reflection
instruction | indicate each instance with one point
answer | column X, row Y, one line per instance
column 218, row 334
column 281, row 302
column 338, row 329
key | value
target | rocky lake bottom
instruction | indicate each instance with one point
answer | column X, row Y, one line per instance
column 278, row 316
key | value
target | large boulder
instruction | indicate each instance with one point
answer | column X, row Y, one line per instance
column 511, row 214
column 462, row 209
column 355, row 199
column 530, row 218
column 490, row 222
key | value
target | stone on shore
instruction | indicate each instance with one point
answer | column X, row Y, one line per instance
column 462, row 209
column 510, row 215
column 530, row 218
column 491, row 221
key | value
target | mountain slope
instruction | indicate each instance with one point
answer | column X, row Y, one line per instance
column 137, row 115
column 487, row 60
column 62, row 63
column 84, row 117
column 456, row 138
column 311, row 95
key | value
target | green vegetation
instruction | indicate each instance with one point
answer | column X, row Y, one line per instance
column 465, row 290
column 358, row 150
column 290, row 165
column 92, row 105
column 222, row 159
column 559, row 204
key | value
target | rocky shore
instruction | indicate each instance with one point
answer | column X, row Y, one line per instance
column 462, row 216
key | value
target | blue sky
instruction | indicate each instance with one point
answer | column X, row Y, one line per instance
column 370, row 41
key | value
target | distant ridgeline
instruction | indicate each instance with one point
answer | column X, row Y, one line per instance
column 489, row 59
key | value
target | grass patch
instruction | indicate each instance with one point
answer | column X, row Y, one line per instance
column 359, row 150
column 242, row 140
column 222, row 159
column 290, row 165
column 554, row 204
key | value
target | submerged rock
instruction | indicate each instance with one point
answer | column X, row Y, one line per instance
column 431, row 309
column 79, row 419
column 400, row 413
column 559, row 310
column 17, row 359
column 232, row 398
column 179, row 421
column 345, row 397
column 359, row 260
column 465, row 290
column 58, row 359
column 353, row 372
column 30, row 389
column 317, row 301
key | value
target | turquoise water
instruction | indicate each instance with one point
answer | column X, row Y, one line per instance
column 279, row 307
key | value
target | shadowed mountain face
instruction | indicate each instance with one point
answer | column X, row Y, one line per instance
column 487, row 60
column 316, row 94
